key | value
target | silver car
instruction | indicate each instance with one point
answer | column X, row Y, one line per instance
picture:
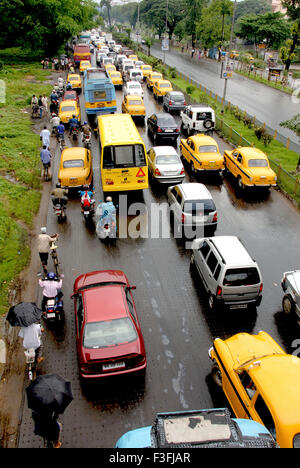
column 165, row 165
column 291, row 286
column 174, row 101
column 192, row 206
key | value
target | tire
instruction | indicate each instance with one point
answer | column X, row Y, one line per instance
column 216, row 375
column 240, row 183
column 211, row 302
column 193, row 168
column 288, row 305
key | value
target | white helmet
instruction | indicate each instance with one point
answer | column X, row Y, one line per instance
column 108, row 199
column 43, row 230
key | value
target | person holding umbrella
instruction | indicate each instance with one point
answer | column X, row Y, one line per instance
column 48, row 396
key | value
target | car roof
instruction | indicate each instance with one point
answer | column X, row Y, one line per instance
column 249, row 152
column 74, row 153
column 202, row 139
column 179, row 93
column 133, row 82
column 232, row 250
column 164, row 150
column 104, row 303
column 164, row 115
column 200, row 107
column 192, row 191
column 68, row 102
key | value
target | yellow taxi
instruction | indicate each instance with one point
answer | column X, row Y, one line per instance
column 202, row 153
column 250, row 166
column 134, row 105
column 75, row 81
column 134, row 58
column 146, row 69
column 116, row 78
column 161, row 88
column 67, row 109
column 152, row 77
column 75, row 169
column 261, row 382
column 234, row 54
column 110, row 68
column 84, row 65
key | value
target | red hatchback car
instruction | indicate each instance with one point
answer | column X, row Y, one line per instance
column 70, row 95
column 108, row 332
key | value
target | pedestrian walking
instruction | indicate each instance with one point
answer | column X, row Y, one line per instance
column 43, row 246
column 45, row 137
column 40, row 104
column 192, row 53
column 62, row 63
column 48, row 427
column 45, row 104
column 199, row 54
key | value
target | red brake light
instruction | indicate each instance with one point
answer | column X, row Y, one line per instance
column 184, row 103
column 182, row 171
column 215, row 218
column 157, row 172
column 159, row 130
column 219, row 291
column 261, row 287
column 177, row 130
column 182, row 218
column 170, row 103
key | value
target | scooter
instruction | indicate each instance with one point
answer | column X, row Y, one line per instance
column 54, row 309
column 74, row 133
column 59, row 209
column 106, row 231
column 106, row 227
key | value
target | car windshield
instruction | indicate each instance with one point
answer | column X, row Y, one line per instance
column 167, row 159
column 72, row 78
column 135, row 102
column 68, row 109
column 208, row 149
column 73, row 163
column 115, row 75
column 258, row 163
column 199, row 207
column 241, row 277
column 109, row 333
column 165, row 121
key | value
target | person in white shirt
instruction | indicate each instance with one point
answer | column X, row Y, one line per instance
column 45, row 137
column 55, row 121
column 32, row 339
column 51, row 288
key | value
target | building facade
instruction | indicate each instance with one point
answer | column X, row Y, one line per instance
column 277, row 6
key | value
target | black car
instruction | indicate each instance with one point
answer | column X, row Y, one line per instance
column 162, row 127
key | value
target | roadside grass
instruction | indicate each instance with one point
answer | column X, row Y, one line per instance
column 260, row 79
column 20, row 186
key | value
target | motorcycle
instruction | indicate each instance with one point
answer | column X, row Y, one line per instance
column 107, row 225
column 107, row 230
column 86, row 140
column 87, row 206
column 59, row 208
column 54, row 309
column 74, row 133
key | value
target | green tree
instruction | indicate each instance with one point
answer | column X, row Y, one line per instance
column 294, row 125
column 214, row 26
column 252, row 7
column 107, row 5
column 293, row 12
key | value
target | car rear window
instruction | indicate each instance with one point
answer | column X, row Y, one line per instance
column 208, row 149
column 73, row 163
column 168, row 159
column 135, row 102
column 68, row 109
column 241, row 277
column 177, row 97
column 203, row 115
column 199, row 207
column 164, row 85
column 166, row 120
column 109, row 333
column 257, row 163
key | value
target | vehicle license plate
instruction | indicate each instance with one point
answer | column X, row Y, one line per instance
column 169, row 130
column 51, row 315
column 239, row 306
column 212, row 163
column 113, row 365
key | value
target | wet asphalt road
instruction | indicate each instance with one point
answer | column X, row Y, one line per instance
column 245, row 93
column 177, row 326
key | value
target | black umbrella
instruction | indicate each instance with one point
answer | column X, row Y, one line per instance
column 24, row 314
column 49, row 394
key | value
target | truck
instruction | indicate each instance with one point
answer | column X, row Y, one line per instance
column 81, row 52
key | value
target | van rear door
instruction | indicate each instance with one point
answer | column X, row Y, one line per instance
column 241, row 285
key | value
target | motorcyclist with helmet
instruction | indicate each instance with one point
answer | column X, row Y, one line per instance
column 86, row 191
column 86, row 131
column 73, row 123
column 51, row 288
column 59, row 195
column 107, row 211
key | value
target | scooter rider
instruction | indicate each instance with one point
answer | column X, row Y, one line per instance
column 55, row 121
column 86, row 130
column 59, row 195
column 90, row 194
column 108, row 216
column 51, row 288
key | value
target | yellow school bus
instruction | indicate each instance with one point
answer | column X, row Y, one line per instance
column 123, row 161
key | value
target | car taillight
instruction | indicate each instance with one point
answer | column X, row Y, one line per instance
column 182, row 171
column 170, row 103
column 157, row 172
column 215, row 218
column 261, row 287
column 219, row 291
column 177, row 130
column 184, row 103
column 159, row 130
column 183, row 218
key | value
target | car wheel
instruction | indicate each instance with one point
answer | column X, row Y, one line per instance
column 193, row 168
column 211, row 302
column 216, row 375
column 240, row 183
column 288, row 305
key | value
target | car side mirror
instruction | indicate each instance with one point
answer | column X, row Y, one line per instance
column 74, row 296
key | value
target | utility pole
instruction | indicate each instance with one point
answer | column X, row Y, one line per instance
column 222, row 67
column 166, row 46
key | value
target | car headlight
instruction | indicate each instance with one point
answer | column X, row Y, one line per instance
column 296, row 441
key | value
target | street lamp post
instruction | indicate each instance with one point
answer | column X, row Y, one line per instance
column 166, row 27
column 222, row 67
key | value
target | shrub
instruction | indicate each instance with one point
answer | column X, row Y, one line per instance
column 190, row 89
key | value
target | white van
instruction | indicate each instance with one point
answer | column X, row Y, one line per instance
column 230, row 276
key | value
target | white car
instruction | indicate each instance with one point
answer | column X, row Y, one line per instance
column 133, row 87
column 164, row 165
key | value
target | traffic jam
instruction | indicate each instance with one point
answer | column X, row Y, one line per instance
column 177, row 315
